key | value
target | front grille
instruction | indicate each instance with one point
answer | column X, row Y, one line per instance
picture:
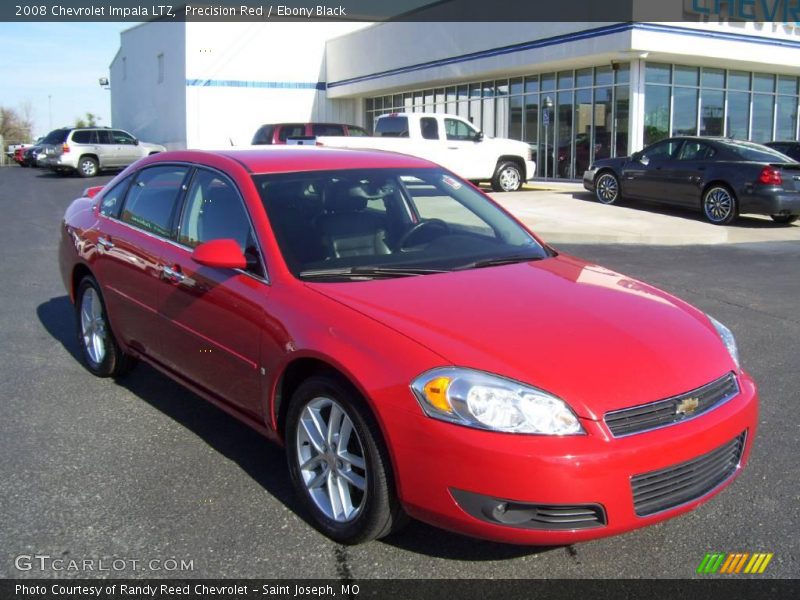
column 679, row 484
column 672, row 410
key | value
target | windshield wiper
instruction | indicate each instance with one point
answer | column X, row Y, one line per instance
column 496, row 261
column 367, row 272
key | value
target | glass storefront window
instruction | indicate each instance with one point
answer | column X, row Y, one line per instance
column 787, row 85
column 603, row 76
column 583, row 78
column 463, row 92
column 656, row 113
column 684, row 111
column 714, row 78
column 738, row 119
column 712, row 112
column 762, row 82
column 786, row 118
column 584, row 130
column 603, row 124
column 621, row 119
column 686, row 75
column 622, row 73
column 532, row 84
column 548, row 82
column 762, row 117
column 516, row 86
column 501, row 87
column 515, row 107
column 565, row 80
column 738, row 80
column 563, row 146
column 531, row 133
column 658, row 73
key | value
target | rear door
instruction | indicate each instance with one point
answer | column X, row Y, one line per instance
column 212, row 318
column 134, row 223
column 686, row 174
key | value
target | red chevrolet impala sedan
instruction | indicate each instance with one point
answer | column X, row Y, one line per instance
column 415, row 348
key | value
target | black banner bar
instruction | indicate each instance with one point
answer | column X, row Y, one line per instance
column 736, row 587
column 777, row 11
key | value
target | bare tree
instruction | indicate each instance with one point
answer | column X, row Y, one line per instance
column 90, row 120
column 15, row 125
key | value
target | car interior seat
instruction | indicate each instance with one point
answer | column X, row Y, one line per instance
column 347, row 228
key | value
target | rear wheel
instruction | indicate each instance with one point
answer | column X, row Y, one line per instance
column 87, row 166
column 784, row 219
column 100, row 352
column 339, row 464
column 606, row 188
column 719, row 205
column 507, row 177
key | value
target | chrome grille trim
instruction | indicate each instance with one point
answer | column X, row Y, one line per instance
column 663, row 413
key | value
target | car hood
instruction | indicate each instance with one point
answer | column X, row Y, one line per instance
column 597, row 339
column 610, row 162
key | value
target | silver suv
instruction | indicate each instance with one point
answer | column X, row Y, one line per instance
column 87, row 150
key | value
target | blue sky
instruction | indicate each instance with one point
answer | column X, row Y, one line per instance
column 63, row 60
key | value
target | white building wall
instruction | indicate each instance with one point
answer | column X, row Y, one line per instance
column 153, row 110
column 242, row 75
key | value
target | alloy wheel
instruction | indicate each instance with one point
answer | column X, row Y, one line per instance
column 331, row 460
column 607, row 189
column 718, row 205
column 509, row 179
column 93, row 326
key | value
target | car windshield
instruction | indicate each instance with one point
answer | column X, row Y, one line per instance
column 378, row 223
column 757, row 152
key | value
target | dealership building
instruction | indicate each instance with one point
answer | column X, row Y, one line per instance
column 580, row 90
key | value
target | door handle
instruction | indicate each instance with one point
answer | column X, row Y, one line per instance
column 452, row 147
column 172, row 275
column 105, row 243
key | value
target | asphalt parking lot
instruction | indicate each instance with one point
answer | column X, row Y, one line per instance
column 142, row 469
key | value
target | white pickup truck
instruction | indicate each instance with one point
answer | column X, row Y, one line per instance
column 451, row 142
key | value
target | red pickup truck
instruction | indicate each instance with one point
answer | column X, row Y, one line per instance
column 281, row 133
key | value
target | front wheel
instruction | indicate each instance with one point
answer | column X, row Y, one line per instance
column 606, row 188
column 507, row 177
column 338, row 463
column 100, row 352
column 784, row 219
column 719, row 205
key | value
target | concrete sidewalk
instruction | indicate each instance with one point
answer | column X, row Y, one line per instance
column 566, row 213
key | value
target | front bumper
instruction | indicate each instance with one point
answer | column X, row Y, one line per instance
column 530, row 170
column 588, row 179
column 437, row 462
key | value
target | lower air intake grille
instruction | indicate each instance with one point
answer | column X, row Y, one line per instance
column 679, row 484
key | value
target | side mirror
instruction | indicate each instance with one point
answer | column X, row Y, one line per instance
column 636, row 156
column 135, row 142
column 479, row 137
column 220, row 254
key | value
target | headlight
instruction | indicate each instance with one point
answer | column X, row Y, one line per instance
column 485, row 401
column 727, row 339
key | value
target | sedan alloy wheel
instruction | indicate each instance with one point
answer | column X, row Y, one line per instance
column 607, row 188
column 719, row 205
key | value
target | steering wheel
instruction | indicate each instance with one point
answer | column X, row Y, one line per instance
column 415, row 229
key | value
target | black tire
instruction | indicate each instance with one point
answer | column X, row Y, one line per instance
column 606, row 188
column 378, row 512
column 507, row 177
column 784, row 219
column 111, row 361
column 87, row 166
column 719, row 205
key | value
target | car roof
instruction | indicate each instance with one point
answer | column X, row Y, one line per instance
column 287, row 159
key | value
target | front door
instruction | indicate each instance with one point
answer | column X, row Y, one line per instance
column 213, row 317
column 647, row 176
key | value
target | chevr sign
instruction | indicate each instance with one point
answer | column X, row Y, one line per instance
column 780, row 11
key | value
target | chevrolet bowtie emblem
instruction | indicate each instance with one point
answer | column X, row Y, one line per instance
column 687, row 406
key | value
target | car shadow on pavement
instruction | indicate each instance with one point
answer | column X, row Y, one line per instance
column 743, row 221
column 261, row 459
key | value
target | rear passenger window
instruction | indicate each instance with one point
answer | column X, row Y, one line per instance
column 83, row 137
column 323, row 129
column 152, row 199
column 104, row 136
column 112, row 199
column 288, row 131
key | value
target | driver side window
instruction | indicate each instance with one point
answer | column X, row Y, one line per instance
column 458, row 130
column 215, row 211
column 661, row 151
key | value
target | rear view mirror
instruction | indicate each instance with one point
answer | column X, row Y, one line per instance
column 220, row 254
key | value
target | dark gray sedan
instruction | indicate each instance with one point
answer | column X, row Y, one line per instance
column 719, row 176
